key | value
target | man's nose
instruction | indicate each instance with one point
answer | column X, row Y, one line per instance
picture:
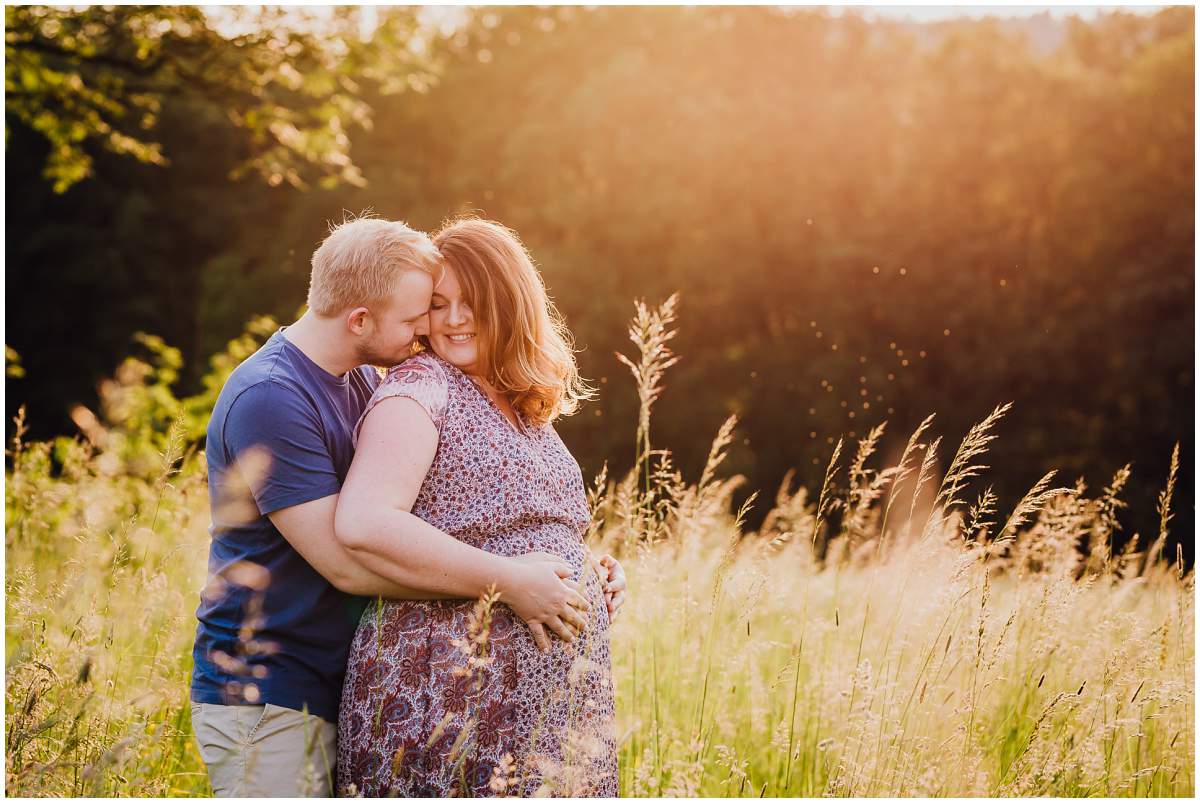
column 422, row 327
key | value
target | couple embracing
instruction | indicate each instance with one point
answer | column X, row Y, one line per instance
column 357, row 519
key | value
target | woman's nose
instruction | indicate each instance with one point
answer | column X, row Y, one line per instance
column 457, row 316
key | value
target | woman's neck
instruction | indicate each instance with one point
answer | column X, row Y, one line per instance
column 500, row 399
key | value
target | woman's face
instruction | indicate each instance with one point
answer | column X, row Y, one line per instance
column 452, row 325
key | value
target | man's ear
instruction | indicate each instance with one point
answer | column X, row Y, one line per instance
column 358, row 321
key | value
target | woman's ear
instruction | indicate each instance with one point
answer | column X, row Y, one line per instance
column 358, row 321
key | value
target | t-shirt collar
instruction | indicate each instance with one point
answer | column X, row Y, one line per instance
column 332, row 379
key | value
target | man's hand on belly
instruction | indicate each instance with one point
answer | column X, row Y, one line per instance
column 612, row 579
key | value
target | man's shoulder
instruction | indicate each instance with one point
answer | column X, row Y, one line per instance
column 270, row 361
column 263, row 379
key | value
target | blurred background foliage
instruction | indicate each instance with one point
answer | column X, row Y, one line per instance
column 866, row 219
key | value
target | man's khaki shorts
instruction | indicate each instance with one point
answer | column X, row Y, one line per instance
column 265, row 750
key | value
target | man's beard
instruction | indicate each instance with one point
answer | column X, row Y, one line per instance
column 371, row 353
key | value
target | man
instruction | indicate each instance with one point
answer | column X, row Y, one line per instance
column 280, row 610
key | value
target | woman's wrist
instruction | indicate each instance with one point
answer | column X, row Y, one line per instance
column 505, row 575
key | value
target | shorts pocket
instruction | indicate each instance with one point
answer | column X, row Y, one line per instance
column 262, row 718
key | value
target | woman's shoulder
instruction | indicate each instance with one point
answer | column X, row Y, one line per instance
column 424, row 367
column 421, row 378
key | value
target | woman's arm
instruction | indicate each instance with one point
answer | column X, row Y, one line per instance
column 373, row 523
column 307, row 528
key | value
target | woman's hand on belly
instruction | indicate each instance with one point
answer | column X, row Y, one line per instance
column 545, row 599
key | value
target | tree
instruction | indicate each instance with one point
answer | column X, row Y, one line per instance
column 866, row 219
column 99, row 76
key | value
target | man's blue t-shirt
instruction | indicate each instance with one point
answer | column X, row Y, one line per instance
column 273, row 630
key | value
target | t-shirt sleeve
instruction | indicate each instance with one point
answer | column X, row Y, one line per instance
column 276, row 437
column 419, row 379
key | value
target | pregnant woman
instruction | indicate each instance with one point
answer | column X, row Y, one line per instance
column 435, row 703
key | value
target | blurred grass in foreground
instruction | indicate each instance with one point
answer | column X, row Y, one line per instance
column 882, row 638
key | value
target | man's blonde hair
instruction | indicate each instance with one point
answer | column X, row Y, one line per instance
column 361, row 260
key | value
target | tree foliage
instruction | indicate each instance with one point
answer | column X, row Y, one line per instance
column 100, row 76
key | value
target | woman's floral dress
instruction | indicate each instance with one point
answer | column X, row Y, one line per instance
column 422, row 715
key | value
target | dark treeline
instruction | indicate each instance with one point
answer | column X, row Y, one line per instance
column 866, row 220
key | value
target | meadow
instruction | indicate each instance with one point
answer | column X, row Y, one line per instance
column 897, row 632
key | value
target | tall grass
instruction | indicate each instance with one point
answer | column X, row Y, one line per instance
column 950, row 652
column 882, row 637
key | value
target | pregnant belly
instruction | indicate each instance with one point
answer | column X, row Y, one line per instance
column 552, row 538
column 412, row 689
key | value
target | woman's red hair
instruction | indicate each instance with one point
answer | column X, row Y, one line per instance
column 525, row 350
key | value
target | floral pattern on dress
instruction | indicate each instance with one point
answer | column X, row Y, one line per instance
column 411, row 723
column 418, row 379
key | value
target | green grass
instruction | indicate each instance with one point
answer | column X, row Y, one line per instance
column 897, row 679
